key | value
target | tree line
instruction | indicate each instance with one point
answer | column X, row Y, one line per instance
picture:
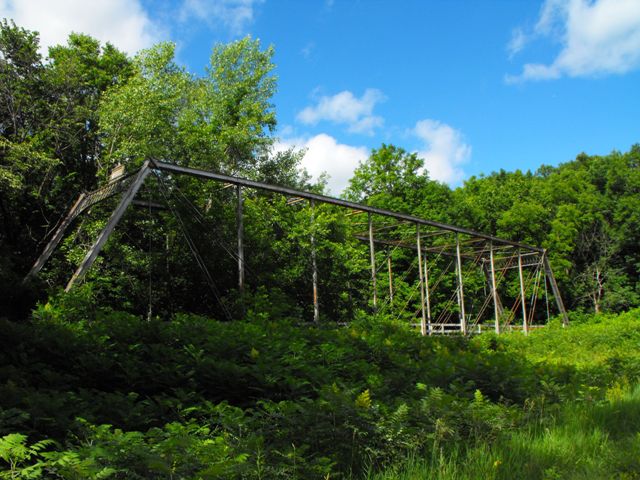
column 68, row 119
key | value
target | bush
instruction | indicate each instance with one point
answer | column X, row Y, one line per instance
column 199, row 398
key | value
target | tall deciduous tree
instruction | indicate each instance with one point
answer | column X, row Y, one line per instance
column 221, row 121
column 232, row 114
column 140, row 119
column 49, row 145
column 78, row 74
column 395, row 179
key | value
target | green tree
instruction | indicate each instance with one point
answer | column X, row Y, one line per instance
column 25, row 165
column 48, row 138
column 231, row 118
column 220, row 122
column 78, row 74
column 395, row 179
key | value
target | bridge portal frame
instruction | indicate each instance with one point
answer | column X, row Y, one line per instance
column 130, row 185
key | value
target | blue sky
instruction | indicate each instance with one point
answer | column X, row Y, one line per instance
column 471, row 86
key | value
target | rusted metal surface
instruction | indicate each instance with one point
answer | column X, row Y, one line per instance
column 470, row 250
column 170, row 167
column 93, row 252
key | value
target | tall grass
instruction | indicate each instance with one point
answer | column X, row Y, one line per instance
column 582, row 440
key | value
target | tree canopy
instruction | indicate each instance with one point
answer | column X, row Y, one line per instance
column 66, row 120
column 159, row 365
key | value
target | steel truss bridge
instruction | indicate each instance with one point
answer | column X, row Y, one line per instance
column 462, row 249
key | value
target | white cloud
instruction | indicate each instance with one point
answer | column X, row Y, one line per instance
column 598, row 37
column 325, row 154
column 232, row 14
column 345, row 108
column 124, row 23
column 308, row 49
column 444, row 150
column 517, row 42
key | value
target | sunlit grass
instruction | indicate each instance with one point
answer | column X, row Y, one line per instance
column 582, row 441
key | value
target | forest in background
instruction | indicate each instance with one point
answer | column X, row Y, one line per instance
column 139, row 374
column 67, row 120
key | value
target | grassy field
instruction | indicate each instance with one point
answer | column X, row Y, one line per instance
column 583, row 440
column 88, row 393
column 590, row 433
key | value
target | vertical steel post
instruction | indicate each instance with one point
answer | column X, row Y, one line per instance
column 426, row 292
column 555, row 289
column 390, row 278
column 523, row 297
column 546, row 297
column 463, row 319
column 372, row 253
column 494, row 291
column 240, row 226
column 93, row 252
column 423, row 322
column 314, row 267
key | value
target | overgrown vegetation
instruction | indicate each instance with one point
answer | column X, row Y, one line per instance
column 104, row 394
column 140, row 374
column 591, row 432
column 582, row 440
column 67, row 119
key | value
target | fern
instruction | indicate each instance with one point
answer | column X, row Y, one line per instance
column 22, row 459
column 364, row 400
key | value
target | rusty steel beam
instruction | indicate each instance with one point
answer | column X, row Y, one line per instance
column 423, row 321
column 372, row 254
column 463, row 319
column 240, row 239
column 125, row 201
column 554, row 288
column 314, row 266
column 55, row 240
column 194, row 172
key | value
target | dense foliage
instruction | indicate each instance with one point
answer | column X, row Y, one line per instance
column 67, row 119
column 139, row 372
column 593, row 434
column 112, row 395
column 584, row 212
